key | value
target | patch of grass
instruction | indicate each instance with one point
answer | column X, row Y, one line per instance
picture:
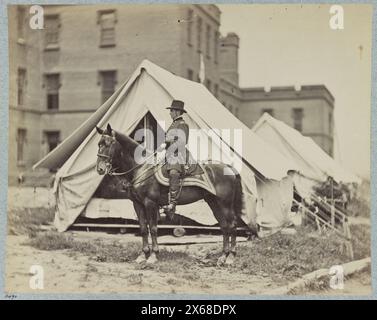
column 286, row 257
column 190, row 276
column 51, row 241
column 311, row 286
column 359, row 207
column 173, row 282
column 28, row 221
column 361, row 241
column 360, row 204
column 174, row 262
column 97, row 250
column 135, row 279
column 280, row 257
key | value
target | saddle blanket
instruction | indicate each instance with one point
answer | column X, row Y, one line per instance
column 200, row 180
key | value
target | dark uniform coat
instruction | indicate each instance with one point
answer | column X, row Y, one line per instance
column 176, row 139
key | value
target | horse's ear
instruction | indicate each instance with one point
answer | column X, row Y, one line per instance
column 109, row 129
column 99, row 130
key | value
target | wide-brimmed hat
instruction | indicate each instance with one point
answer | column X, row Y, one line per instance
column 177, row 105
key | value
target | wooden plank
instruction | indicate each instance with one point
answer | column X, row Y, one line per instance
column 324, row 222
column 337, row 211
column 135, row 226
column 332, row 215
column 318, row 275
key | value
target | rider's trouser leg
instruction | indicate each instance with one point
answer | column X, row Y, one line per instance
column 174, row 186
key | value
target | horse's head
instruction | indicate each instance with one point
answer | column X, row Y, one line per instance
column 109, row 156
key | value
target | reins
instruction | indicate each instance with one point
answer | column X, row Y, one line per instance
column 132, row 182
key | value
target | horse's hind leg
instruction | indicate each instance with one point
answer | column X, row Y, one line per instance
column 233, row 242
column 225, row 253
column 220, row 213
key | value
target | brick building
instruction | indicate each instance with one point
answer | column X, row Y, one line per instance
column 309, row 109
column 61, row 74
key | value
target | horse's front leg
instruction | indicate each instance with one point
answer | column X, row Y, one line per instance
column 151, row 209
column 141, row 214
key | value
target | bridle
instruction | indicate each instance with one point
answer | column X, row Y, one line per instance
column 109, row 159
column 111, row 171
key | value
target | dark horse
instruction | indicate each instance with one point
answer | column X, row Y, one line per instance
column 116, row 155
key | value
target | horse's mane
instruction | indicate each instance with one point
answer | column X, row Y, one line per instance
column 129, row 145
column 126, row 141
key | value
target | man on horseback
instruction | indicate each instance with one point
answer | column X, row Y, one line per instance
column 175, row 143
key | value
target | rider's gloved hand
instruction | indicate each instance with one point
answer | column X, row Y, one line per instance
column 160, row 152
column 162, row 147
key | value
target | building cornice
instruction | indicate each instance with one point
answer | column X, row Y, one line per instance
column 269, row 98
column 200, row 6
column 50, row 112
column 53, row 112
column 23, row 109
column 288, row 93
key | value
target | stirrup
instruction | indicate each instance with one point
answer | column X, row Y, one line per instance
column 169, row 210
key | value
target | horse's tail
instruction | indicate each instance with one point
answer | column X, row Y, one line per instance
column 238, row 197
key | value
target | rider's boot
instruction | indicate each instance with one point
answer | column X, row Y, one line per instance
column 174, row 187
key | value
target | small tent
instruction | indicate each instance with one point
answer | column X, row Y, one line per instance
column 267, row 187
column 314, row 164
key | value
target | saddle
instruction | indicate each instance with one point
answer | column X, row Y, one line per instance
column 194, row 175
column 190, row 169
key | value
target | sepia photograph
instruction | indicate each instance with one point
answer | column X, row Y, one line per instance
column 188, row 149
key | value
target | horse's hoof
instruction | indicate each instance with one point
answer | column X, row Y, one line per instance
column 152, row 259
column 141, row 258
column 230, row 259
column 221, row 260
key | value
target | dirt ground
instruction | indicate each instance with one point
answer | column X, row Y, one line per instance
column 71, row 272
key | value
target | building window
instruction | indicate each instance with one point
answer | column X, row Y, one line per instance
column 330, row 124
column 297, row 114
column 199, row 34
column 52, row 138
column 107, row 19
column 208, row 41
column 216, row 45
column 190, row 19
column 230, row 108
column 236, row 111
column 208, row 84
column 21, row 141
column 216, row 90
column 108, row 83
column 53, row 85
column 52, row 25
column 190, row 74
column 269, row 111
column 21, row 85
column 21, row 23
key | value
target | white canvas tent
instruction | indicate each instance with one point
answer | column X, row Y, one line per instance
column 151, row 89
column 314, row 164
